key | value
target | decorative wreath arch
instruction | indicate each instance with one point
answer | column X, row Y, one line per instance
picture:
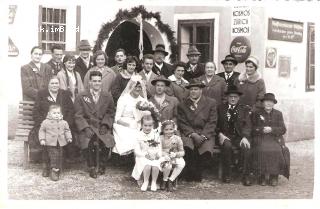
column 122, row 15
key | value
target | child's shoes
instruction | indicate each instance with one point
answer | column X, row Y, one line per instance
column 144, row 186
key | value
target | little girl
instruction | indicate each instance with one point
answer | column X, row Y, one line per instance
column 173, row 152
column 54, row 133
column 148, row 154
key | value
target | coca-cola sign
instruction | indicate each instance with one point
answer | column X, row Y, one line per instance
column 240, row 48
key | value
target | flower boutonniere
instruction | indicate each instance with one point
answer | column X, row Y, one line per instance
column 35, row 69
column 261, row 118
column 153, row 143
column 164, row 104
column 86, row 99
column 50, row 99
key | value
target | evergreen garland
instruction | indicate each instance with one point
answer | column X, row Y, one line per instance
column 122, row 15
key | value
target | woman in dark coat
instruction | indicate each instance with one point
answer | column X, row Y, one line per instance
column 122, row 78
column 268, row 130
column 178, row 84
column 215, row 85
column 46, row 97
column 251, row 84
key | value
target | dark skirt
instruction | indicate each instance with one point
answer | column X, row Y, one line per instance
column 267, row 156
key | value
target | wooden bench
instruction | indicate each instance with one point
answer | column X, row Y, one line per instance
column 25, row 124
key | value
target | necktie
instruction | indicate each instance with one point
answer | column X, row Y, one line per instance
column 228, row 76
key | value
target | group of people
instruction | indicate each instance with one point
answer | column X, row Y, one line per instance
column 170, row 117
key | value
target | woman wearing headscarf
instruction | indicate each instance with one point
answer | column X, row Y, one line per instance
column 70, row 79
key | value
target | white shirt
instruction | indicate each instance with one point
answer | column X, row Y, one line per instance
column 161, row 99
column 95, row 95
column 226, row 75
column 86, row 61
column 147, row 74
column 193, row 67
column 159, row 66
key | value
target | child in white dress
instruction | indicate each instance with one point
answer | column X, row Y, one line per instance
column 172, row 152
column 148, row 154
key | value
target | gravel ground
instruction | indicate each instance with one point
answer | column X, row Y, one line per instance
column 75, row 184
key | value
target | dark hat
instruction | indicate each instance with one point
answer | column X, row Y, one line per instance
column 84, row 45
column 196, row 82
column 269, row 97
column 232, row 89
column 193, row 51
column 229, row 58
column 161, row 78
column 161, row 48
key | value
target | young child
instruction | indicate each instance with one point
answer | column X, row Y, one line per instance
column 173, row 152
column 148, row 154
column 54, row 133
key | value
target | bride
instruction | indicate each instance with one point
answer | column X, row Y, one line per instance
column 127, row 118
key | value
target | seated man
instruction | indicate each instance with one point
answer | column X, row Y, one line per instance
column 94, row 115
column 234, row 129
column 197, row 119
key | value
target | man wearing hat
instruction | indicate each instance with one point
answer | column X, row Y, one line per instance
column 160, row 67
column 234, row 130
column 194, row 68
column 84, row 62
column 167, row 105
column 229, row 75
column 197, row 119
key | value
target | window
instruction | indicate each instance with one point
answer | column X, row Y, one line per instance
column 310, row 81
column 198, row 33
column 52, row 27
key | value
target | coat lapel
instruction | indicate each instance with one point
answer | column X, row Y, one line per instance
column 88, row 100
column 201, row 105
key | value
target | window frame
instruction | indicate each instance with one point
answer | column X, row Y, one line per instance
column 194, row 23
column 310, row 87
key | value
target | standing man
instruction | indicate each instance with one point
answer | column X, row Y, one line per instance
column 56, row 60
column 194, row 68
column 147, row 74
column 229, row 75
column 234, row 130
column 94, row 115
column 84, row 62
column 160, row 67
column 167, row 105
column 34, row 75
column 120, row 58
column 197, row 119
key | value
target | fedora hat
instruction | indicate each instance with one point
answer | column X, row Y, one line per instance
column 195, row 83
column 253, row 60
column 229, row 58
column 269, row 97
column 161, row 48
column 193, row 51
column 161, row 78
column 232, row 89
column 84, row 45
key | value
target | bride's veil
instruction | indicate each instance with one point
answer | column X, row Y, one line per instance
column 135, row 78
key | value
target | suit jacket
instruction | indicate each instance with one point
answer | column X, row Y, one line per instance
column 242, row 122
column 44, row 100
column 81, row 68
column 231, row 80
column 116, row 69
column 168, row 110
column 166, row 70
column 55, row 68
column 89, row 114
column 202, row 120
column 215, row 88
column 150, row 88
column 32, row 80
column 189, row 74
column 53, row 131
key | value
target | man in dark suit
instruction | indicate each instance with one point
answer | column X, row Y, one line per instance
column 229, row 75
column 56, row 60
column 160, row 67
column 194, row 68
column 34, row 75
column 119, row 58
column 234, row 130
column 84, row 62
column 94, row 115
column 197, row 119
